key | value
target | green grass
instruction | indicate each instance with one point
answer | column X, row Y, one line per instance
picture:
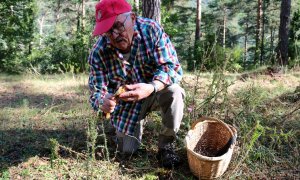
column 38, row 109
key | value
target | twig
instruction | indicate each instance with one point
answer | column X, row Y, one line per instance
column 214, row 95
column 140, row 169
column 51, row 109
column 72, row 151
column 284, row 116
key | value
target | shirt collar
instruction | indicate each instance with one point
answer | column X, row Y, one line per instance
column 136, row 33
column 108, row 44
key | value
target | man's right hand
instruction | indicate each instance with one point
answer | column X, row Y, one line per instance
column 109, row 103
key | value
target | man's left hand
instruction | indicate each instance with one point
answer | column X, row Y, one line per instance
column 137, row 92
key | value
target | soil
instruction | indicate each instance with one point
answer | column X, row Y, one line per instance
column 203, row 149
column 206, row 150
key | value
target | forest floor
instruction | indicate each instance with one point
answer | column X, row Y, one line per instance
column 49, row 131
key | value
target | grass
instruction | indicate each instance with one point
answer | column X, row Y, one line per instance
column 49, row 131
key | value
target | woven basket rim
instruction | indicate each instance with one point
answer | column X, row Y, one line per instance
column 204, row 119
column 230, row 128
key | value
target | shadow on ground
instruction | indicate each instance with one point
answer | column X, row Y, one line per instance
column 20, row 144
column 37, row 100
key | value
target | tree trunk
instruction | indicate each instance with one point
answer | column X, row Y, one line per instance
column 83, row 15
column 41, row 26
column 136, row 6
column 283, row 44
column 151, row 9
column 258, row 31
column 272, row 46
column 78, row 17
column 12, row 10
column 224, row 35
column 246, row 45
column 224, row 28
column 197, row 56
column 57, row 15
column 198, row 22
column 262, row 34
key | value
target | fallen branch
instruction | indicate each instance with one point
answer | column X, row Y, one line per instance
column 72, row 151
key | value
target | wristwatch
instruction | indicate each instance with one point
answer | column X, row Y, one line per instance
column 155, row 87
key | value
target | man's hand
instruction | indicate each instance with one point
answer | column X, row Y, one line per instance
column 109, row 103
column 136, row 92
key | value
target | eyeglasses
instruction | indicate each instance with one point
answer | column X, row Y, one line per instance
column 117, row 28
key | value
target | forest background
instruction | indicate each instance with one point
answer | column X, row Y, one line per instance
column 55, row 36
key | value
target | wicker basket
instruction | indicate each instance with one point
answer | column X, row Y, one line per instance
column 210, row 144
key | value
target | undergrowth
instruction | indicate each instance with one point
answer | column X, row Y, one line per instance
column 48, row 130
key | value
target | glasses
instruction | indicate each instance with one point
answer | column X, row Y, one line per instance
column 117, row 28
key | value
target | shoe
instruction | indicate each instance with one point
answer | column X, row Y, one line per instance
column 168, row 158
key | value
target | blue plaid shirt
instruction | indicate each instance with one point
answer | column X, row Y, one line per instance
column 152, row 57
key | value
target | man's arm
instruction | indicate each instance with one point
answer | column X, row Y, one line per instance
column 168, row 70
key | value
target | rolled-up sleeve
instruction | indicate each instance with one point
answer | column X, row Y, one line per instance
column 168, row 69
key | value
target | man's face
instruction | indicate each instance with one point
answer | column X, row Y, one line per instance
column 121, row 32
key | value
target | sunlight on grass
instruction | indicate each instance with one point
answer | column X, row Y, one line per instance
column 36, row 108
column 57, row 84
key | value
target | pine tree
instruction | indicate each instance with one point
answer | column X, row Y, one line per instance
column 151, row 9
column 283, row 44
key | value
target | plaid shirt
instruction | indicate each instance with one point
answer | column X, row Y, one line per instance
column 152, row 57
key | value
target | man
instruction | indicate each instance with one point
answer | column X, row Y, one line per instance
column 136, row 53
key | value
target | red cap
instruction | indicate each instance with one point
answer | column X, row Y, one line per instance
column 107, row 12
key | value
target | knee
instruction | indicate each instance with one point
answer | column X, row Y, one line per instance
column 174, row 91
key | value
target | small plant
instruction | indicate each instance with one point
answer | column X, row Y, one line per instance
column 4, row 175
column 248, row 142
column 91, row 137
column 105, row 146
column 54, row 147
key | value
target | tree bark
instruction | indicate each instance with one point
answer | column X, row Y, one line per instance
column 283, row 44
column 224, row 35
column 272, row 46
column 224, row 28
column 246, row 45
column 78, row 17
column 262, row 34
column 136, row 6
column 258, row 31
column 57, row 14
column 41, row 27
column 198, row 22
column 151, row 9
column 83, row 15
